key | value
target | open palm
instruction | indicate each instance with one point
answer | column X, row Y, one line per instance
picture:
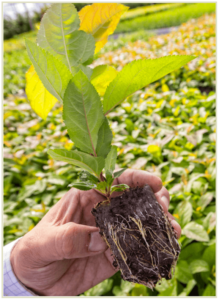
column 64, row 254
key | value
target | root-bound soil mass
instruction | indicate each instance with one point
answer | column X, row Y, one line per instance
column 139, row 234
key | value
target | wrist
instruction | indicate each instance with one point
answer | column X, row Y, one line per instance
column 14, row 259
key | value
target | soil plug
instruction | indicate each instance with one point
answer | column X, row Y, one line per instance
column 139, row 234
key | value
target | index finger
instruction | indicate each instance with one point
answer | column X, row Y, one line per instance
column 134, row 178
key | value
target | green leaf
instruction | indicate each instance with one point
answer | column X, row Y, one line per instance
column 139, row 290
column 82, row 113
column 209, row 222
column 190, row 285
column 86, row 70
column 80, row 159
column 205, row 200
column 83, row 186
column 110, row 161
column 192, row 251
column 118, row 173
column 166, row 287
column 182, row 273
column 100, row 289
column 43, row 43
column 184, row 211
column 101, row 186
column 109, row 179
column 195, row 231
column 119, row 188
column 124, row 288
column 198, row 266
column 60, row 23
column 171, row 291
column 54, row 75
column 101, row 77
column 209, row 255
column 209, row 291
column 88, row 177
column 104, row 139
column 137, row 74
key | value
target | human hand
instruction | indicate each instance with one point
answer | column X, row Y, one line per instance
column 64, row 255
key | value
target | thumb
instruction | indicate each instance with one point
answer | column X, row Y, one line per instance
column 76, row 241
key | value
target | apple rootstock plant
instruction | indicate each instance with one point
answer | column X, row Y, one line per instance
column 134, row 225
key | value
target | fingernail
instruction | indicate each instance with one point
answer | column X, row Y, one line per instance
column 175, row 224
column 96, row 243
column 165, row 200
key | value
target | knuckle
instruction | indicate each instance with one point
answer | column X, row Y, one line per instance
column 69, row 237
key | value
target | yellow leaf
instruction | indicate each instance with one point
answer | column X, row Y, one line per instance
column 207, row 175
column 121, row 151
column 159, row 103
column 35, row 127
column 150, row 111
column 153, row 149
column 40, row 210
column 52, row 126
column 184, row 180
column 165, row 88
column 68, row 146
column 172, row 101
column 176, row 112
column 51, row 162
column 37, row 26
column 39, row 135
column 176, row 216
column 31, row 227
column 14, row 230
column 7, row 114
column 190, row 128
column 184, row 101
column 40, row 99
column 7, row 143
column 100, row 20
column 101, row 77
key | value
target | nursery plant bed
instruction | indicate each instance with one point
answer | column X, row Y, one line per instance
column 139, row 234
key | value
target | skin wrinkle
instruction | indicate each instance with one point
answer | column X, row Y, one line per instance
column 67, row 284
column 64, row 237
column 85, row 266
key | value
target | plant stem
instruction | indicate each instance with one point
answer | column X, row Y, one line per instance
column 105, row 195
column 102, row 178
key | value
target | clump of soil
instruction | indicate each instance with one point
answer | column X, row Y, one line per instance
column 139, row 234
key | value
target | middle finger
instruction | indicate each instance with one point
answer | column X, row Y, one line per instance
column 163, row 198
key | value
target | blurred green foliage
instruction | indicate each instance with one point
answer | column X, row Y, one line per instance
column 167, row 18
column 79, row 6
column 148, row 9
column 21, row 23
column 169, row 129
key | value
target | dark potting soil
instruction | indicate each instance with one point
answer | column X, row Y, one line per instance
column 139, row 234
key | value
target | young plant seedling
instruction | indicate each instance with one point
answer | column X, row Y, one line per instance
column 133, row 224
